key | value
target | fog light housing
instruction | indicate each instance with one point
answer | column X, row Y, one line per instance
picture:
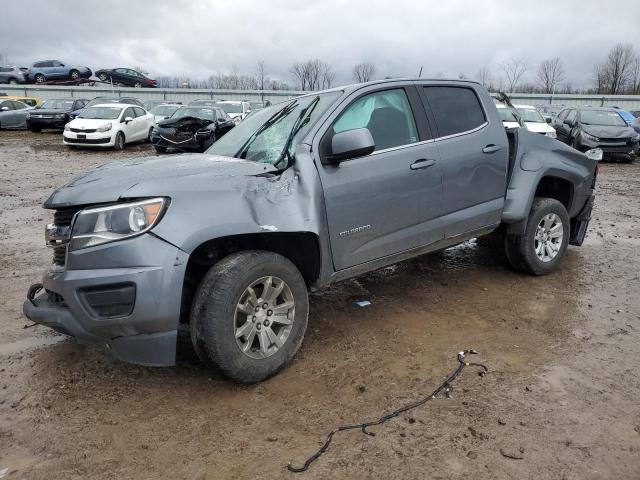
column 109, row 301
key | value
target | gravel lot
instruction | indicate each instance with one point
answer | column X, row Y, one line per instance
column 560, row 401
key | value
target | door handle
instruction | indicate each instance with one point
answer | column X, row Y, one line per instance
column 422, row 163
column 491, row 148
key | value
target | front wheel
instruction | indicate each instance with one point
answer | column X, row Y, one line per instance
column 13, row 81
column 249, row 315
column 119, row 142
column 150, row 135
column 39, row 78
column 137, row 85
column 103, row 77
column 74, row 74
column 540, row 249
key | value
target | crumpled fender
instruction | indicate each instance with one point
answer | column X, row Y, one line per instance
column 538, row 156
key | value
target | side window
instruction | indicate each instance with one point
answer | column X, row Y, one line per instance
column 456, row 109
column 19, row 106
column 128, row 113
column 6, row 104
column 562, row 115
column 572, row 116
column 139, row 112
column 387, row 115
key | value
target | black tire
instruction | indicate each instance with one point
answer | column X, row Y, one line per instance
column 137, row 85
column 13, row 81
column 119, row 143
column 150, row 134
column 213, row 329
column 521, row 248
column 39, row 78
column 160, row 149
column 35, row 129
column 74, row 74
column 103, row 77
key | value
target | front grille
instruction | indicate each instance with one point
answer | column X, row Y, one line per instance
column 62, row 218
column 79, row 130
column 88, row 141
column 616, row 140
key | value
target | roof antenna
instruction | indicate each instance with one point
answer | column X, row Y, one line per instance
column 420, row 74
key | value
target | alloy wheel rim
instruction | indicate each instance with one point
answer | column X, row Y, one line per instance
column 548, row 237
column 264, row 317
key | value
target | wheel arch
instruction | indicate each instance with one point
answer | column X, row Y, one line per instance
column 301, row 248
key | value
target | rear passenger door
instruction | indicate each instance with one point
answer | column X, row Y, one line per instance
column 473, row 154
column 388, row 201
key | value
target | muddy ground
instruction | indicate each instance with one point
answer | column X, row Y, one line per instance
column 560, row 401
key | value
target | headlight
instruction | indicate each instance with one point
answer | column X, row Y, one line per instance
column 104, row 128
column 67, row 127
column 237, row 119
column 636, row 138
column 590, row 137
column 60, row 115
column 95, row 226
column 551, row 134
column 28, row 116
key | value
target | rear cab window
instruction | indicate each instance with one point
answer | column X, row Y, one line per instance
column 456, row 110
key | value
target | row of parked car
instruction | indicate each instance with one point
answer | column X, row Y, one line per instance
column 54, row 70
column 114, row 122
column 613, row 130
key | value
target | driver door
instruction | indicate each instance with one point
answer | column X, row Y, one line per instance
column 390, row 200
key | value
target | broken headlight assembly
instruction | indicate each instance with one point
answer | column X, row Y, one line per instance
column 592, row 138
column 95, row 226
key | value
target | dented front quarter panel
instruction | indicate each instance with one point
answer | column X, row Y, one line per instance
column 538, row 156
column 205, row 208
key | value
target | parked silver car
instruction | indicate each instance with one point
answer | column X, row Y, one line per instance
column 11, row 74
column 13, row 114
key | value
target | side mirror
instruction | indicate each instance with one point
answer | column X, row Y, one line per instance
column 548, row 119
column 351, row 144
column 128, row 119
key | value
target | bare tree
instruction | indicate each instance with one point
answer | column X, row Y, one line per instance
column 485, row 78
column 261, row 74
column 364, row 72
column 550, row 74
column 312, row 74
column 614, row 74
column 327, row 76
column 635, row 77
column 514, row 70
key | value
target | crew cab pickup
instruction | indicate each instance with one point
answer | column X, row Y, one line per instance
column 322, row 188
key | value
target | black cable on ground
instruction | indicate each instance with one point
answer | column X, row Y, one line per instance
column 444, row 387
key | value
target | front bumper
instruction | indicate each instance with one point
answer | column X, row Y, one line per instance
column 96, row 139
column 147, row 333
column 195, row 143
column 619, row 148
column 42, row 123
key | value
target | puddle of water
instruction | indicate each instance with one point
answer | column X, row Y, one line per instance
column 27, row 344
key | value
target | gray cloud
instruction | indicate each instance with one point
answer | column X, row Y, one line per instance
column 201, row 38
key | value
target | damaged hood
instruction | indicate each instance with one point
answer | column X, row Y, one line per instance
column 153, row 176
column 603, row 131
column 185, row 124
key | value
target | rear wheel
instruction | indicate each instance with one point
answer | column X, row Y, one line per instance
column 540, row 249
column 13, row 81
column 74, row 74
column 119, row 142
column 137, row 85
column 39, row 78
column 103, row 77
column 249, row 315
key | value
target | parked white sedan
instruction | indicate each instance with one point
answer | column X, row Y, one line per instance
column 109, row 125
column 533, row 120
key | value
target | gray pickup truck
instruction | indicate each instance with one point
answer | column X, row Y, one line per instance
column 299, row 195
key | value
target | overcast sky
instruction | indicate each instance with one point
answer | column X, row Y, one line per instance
column 200, row 38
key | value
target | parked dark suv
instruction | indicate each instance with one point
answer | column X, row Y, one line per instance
column 604, row 128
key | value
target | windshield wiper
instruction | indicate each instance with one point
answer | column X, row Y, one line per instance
column 270, row 121
column 300, row 122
